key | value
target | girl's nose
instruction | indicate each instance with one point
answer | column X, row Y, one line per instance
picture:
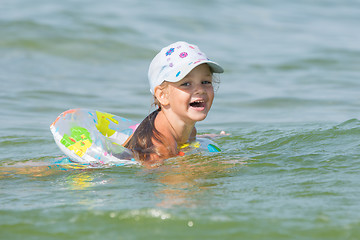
column 199, row 88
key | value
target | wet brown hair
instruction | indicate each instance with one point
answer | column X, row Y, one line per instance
column 142, row 141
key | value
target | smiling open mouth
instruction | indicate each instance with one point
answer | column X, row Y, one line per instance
column 197, row 104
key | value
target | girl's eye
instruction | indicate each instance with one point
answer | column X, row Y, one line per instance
column 206, row 82
column 185, row 84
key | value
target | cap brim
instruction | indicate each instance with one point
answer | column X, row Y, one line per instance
column 215, row 67
column 185, row 70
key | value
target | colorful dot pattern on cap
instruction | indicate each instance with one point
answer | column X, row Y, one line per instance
column 176, row 56
column 183, row 54
column 171, row 50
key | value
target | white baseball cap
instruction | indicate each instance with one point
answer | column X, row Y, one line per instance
column 175, row 61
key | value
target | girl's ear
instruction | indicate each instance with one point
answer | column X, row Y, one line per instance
column 161, row 95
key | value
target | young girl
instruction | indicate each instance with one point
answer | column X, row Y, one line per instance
column 181, row 81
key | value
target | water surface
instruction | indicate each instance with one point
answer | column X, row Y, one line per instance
column 289, row 98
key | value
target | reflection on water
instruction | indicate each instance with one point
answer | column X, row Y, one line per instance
column 182, row 181
column 186, row 181
column 30, row 168
column 78, row 179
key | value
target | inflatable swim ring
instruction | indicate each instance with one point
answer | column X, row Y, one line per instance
column 96, row 138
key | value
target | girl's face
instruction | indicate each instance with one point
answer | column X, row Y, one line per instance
column 192, row 97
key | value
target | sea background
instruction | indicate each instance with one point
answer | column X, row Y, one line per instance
column 289, row 98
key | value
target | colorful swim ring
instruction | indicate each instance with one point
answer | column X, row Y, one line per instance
column 96, row 138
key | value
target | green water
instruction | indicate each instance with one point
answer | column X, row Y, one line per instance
column 289, row 98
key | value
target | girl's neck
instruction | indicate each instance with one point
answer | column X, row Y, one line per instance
column 173, row 127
